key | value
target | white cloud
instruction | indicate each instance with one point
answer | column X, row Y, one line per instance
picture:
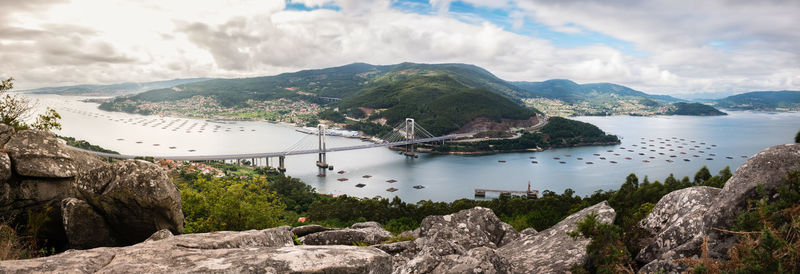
column 105, row 41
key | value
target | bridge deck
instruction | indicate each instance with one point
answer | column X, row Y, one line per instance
column 275, row 154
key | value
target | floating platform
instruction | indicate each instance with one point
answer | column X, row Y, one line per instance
column 480, row 192
column 391, row 181
column 360, row 185
column 391, row 189
column 418, row 186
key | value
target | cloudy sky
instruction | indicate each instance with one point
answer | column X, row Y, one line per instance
column 658, row 46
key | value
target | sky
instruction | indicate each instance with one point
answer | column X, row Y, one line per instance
column 657, row 46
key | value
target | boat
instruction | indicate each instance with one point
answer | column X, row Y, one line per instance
column 391, row 189
column 729, row 157
column 562, row 162
column 391, row 181
column 535, row 162
column 687, row 160
column 418, row 186
column 360, row 185
column 366, row 176
column 501, row 161
column 342, row 179
column 341, row 171
column 589, row 163
column 613, row 162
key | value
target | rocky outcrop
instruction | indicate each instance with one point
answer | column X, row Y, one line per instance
column 301, row 231
column 369, row 233
column 112, row 190
column 552, row 250
column 39, row 154
column 710, row 210
column 6, row 132
column 88, row 202
column 675, row 219
column 262, row 251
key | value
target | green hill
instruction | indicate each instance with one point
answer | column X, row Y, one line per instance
column 571, row 92
column 439, row 102
column 694, row 109
column 113, row 89
column 762, row 100
column 320, row 84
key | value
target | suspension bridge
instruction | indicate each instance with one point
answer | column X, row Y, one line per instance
column 405, row 135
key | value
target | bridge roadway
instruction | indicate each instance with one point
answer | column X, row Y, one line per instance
column 276, row 154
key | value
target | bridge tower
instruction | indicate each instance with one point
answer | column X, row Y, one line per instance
column 409, row 130
column 322, row 161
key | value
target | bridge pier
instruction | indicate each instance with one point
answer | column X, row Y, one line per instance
column 281, row 164
column 322, row 161
column 409, row 137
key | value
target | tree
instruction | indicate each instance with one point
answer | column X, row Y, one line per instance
column 797, row 137
column 14, row 110
column 701, row 176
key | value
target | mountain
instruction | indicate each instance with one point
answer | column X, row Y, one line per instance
column 337, row 82
column 113, row 89
column 440, row 102
column 762, row 100
column 694, row 109
column 560, row 97
column 571, row 92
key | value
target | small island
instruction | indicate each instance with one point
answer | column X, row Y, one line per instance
column 693, row 109
column 557, row 133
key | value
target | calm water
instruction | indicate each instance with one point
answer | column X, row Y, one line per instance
column 449, row 177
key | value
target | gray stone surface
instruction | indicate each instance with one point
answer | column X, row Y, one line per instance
column 683, row 237
column 135, row 198
column 301, row 231
column 476, row 260
column 675, row 219
column 207, row 253
column 83, row 226
column 347, row 236
column 552, row 250
column 5, row 133
column 39, row 154
column 5, row 167
column 160, row 235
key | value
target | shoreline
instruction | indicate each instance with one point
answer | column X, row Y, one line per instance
column 484, row 152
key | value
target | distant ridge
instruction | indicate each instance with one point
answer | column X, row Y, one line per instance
column 114, row 89
column 571, row 92
column 762, row 100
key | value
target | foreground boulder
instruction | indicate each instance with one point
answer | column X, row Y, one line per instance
column 255, row 251
column 707, row 212
column 552, row 250
column 85, row 202
column 368, row 233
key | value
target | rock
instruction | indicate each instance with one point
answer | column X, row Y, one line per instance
column 675, row 219
column 39, row 154
column 395, row 248
column 767, row 168
column 410, row 233
column 528, row 231
column 77, row 216
column 466, row 229
column 510, row 234
column 552, row 250
column 135, row 198
column 6, row 132
column 301, row 231
column 370, row 224
column 476, row 260
column 160, row 235
column 683, row 228
column 348, row 236
column 194, row 254
column 5, row 167
column 24, row 194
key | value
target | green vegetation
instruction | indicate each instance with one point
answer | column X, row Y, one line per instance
column 14, row 109
column 83, row 144
column 236, row 203
column 371, row 129
column 762, row 100
column 559, row 132
column 440, row 102
column 797, row 137
column 695, row 109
